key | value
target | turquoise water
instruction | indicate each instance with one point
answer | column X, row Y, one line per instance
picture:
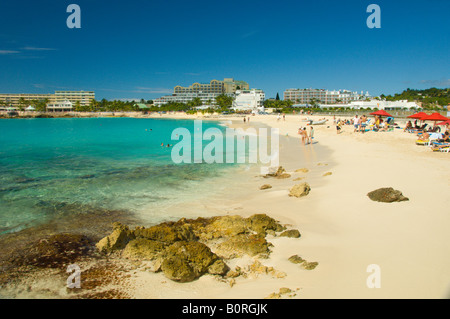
column 111, row 163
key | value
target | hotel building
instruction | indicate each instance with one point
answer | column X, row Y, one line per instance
column 83, row 97
column 207, row 92
column 304, row 96
column 249, row 100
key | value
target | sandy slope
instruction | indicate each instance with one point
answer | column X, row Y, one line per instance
column 341, row 227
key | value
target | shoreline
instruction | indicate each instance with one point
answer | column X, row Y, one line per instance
column 340, row 227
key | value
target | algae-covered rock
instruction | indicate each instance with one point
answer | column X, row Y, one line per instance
column 166, row 233
column 291, row 233
column 265, row 186
column 309, row 265
column 178, row 269
column 186, row 261
column 143, row 249
column 300, row 190
column 251, row 245
column 387, row 195
column 218, row 268
column 296, row 259
column 302, row 170
column 261, row 223
column 327, row 174
column 279, row 173
column 117, row 240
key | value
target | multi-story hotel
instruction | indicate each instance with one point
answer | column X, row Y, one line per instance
column 249, row 100
column 304, row 96
column 17, row 100
column 207, row 92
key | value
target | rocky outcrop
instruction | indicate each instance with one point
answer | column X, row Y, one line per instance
column 387, row 195
column 117, row 240
column 300, row 190
column 185, row 261
column 183, row 250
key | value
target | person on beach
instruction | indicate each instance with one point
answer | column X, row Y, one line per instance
column 408, row 127
column 304, row 135
column 244, row 119
column 311, row 134
column 338, row 127
column 445, row 138
column 356, row 122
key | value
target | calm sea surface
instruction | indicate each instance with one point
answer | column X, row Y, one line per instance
column 108, row 163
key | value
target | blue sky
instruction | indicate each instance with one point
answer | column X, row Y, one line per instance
column 143, row 48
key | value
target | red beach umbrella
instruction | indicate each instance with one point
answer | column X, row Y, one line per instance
column 444, row 123
column 434, row 117
column 418, row 116
column 381, row 113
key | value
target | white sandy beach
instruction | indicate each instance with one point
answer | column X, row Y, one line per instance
column 342, row 229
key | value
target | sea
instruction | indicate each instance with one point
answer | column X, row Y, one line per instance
column 56, row 167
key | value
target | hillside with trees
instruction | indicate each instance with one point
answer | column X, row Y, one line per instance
column 430, row 98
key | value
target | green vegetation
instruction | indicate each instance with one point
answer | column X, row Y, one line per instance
column 432, row 98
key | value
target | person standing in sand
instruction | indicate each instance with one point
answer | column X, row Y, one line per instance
column 356, row 122
column 311, row 134
column 303, row 134
column 338, row 127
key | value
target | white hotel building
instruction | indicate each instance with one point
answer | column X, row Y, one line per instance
column 304, row 96
column 249, row 100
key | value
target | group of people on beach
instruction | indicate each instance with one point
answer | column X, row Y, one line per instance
column 306, row 139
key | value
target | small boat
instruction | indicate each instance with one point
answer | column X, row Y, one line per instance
column 319, row 122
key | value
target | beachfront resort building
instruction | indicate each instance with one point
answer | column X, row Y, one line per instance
column 206, row 92
column 373, row 104
column 306, row 96
column 249, row 100
column 84, row 98
column 65, row 106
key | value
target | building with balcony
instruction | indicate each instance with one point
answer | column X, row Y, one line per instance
column 24, row 99
column 305, row 96
column 206, row 92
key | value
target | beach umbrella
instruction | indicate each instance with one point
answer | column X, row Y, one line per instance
column 444, row 123
column 381, row 113
column 418, row 116
column 434, row 117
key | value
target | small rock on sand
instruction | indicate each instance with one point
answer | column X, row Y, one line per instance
column 265, row 186
column 387, row 195
column 300, row 190
column 302, row 170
